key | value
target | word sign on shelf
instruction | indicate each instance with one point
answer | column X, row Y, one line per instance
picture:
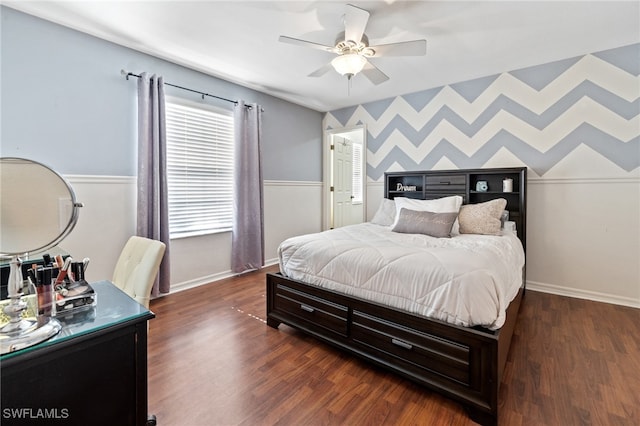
column 401, row 187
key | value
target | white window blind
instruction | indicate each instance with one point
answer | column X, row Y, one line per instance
column 199, row 169
column 357, row 183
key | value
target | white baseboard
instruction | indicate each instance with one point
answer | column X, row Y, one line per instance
column 582, row 294
column 271, row 262
column 186, row 285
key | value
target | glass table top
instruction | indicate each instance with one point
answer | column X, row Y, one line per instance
column 113, row 307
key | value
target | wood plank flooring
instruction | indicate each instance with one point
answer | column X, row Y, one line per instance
column 214, row 361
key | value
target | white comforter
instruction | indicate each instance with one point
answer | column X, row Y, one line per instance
column 465, row 280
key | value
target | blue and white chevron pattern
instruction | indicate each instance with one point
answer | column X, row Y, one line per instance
column 586, row 107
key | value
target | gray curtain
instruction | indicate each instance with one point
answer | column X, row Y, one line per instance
column 247, row 251
column 153, row 211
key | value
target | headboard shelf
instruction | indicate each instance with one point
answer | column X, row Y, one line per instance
column 430, row 184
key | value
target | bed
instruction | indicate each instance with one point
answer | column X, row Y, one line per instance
column 439, row 311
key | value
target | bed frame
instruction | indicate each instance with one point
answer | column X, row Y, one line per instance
column 465, row 364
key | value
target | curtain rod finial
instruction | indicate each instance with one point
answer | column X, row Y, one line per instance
column 125, row 73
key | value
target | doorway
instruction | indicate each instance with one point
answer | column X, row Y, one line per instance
column 344, row 176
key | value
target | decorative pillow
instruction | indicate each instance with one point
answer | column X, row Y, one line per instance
column 386, row 213
column 482, row 218
column 424, row 222
column 438, row 205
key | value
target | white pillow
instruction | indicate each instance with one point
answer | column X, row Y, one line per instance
column 386, row 214
column 438, row 205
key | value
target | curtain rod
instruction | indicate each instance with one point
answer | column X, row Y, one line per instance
column 127, row 74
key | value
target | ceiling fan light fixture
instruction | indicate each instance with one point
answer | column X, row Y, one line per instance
column 348, row 64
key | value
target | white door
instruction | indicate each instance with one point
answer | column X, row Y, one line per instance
column 342, row 181
column 348, row 206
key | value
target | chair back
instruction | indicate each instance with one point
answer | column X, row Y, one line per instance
column 137, row 267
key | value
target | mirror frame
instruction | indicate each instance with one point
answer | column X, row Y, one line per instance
column 73, row 219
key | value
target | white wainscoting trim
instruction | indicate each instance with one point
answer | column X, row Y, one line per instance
column 547, row 181
column 582, row 294
column 531, row 285
column 291, row 183
column 96, row 179
column 133, row 179
column 588, row 181
column 535, row 181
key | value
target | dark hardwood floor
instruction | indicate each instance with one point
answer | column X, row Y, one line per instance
column 214, row 361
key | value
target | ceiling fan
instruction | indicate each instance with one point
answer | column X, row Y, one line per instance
column 353, row 50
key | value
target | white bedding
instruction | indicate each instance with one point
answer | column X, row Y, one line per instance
column 466, row 280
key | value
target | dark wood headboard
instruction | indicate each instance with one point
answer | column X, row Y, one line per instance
column 430, row 184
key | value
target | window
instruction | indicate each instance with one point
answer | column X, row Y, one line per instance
column 357, row 183
column 199, row 168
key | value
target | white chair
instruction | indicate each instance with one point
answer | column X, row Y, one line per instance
column 137, row 268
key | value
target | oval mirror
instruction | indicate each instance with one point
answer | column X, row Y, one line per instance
column 38, row 207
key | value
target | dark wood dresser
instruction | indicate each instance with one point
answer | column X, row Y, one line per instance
column 93, row 372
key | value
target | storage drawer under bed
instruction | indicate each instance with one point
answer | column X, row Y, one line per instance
column 315, row 310
column 423, row 353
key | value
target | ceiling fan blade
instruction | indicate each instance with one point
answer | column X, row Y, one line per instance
column 404, row 48
column 374, row 74
column 321, row 71
column 355, row 22
column 304, row 43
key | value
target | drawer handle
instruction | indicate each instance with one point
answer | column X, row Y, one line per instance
column 307, row 308
column 401, row 344
column 445, row 183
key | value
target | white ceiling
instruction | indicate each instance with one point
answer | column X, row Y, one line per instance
column 238, row 40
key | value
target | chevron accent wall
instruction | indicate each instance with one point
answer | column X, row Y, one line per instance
column 578, row 117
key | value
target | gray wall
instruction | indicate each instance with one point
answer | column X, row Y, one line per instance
column 64, row 103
